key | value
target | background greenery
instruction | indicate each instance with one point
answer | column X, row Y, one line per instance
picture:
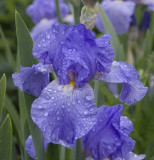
column 15, row 118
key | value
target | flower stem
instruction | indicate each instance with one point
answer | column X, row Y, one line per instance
column 96, row 87
column 76, row 14
column 58, row 11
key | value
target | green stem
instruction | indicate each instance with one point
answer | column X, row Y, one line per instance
column 62, row 153
column 96, row 87
column 58, row 11
column 76, row 14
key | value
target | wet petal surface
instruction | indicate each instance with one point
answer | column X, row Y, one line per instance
column 64, row 113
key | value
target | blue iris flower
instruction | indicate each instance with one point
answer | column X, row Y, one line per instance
column 44, row 14
column 64, row 109
column 122, row 15
column 109, row 138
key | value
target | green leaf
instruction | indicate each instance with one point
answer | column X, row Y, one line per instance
column 9, row 54
column 2, row 92
column 62, row 152
column 25, row 42
column 118, row 49
column 78, row 151
column 6, row 139
column 52, row 152
column 26, row 59
column 9, row 106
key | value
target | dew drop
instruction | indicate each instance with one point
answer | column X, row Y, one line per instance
column 52, row 97
column 79, row 101
column 63, row 106
column 48, row 36
column 85, row 112
column 46, row 114
column 88, row 97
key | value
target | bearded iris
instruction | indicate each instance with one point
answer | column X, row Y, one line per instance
column 44, row 14
column 64, row 109
column 123, row 13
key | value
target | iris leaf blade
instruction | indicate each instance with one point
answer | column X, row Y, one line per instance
column 9, row 54
column 2, row 92
column 6, row 139
column 118, row 49
column 26, row 59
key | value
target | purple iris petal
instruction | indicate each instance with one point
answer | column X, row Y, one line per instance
column 74, row 52
column 31, row 80
column 50, row 43
column 132, row 156
column 42, row 27
column 126, row 125
column 46, row 9
column 30, row 147
column 132, row 92
column 145, row 23
column 44, row 68
column 106, row 139
column 120, row 16
column 105, row 53
column 122, row 72
column 64, row 113
column 149, row 3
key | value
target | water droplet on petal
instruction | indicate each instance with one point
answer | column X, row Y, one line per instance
column 85, row 112
column 48, row 36
column 52, row 97
column 79, row 101
column 88, row 97
column 63, row 106
column 46, row 114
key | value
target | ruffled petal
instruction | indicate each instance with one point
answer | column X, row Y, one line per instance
column 49, row 43
column 132, row 92
column 133, row 156
column 71, row 50
column 106, row 139
column 120, row 16
column 105, row 54
column 122, row 72
column 42, row 26
column 79, row 56
column 30, row 147
column 64, row 113
column 44, row 68
column 31, row 80
column 126, row 125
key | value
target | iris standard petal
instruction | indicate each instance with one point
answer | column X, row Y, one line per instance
column 105, row 54
column 71, row 50
column 31, row 80
column 29, row 146
column 49, row 43
column 120, row 16
column 106, row 139
column 42, row 26
column 64, row 113
column 122, row 72
column 79, row 55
